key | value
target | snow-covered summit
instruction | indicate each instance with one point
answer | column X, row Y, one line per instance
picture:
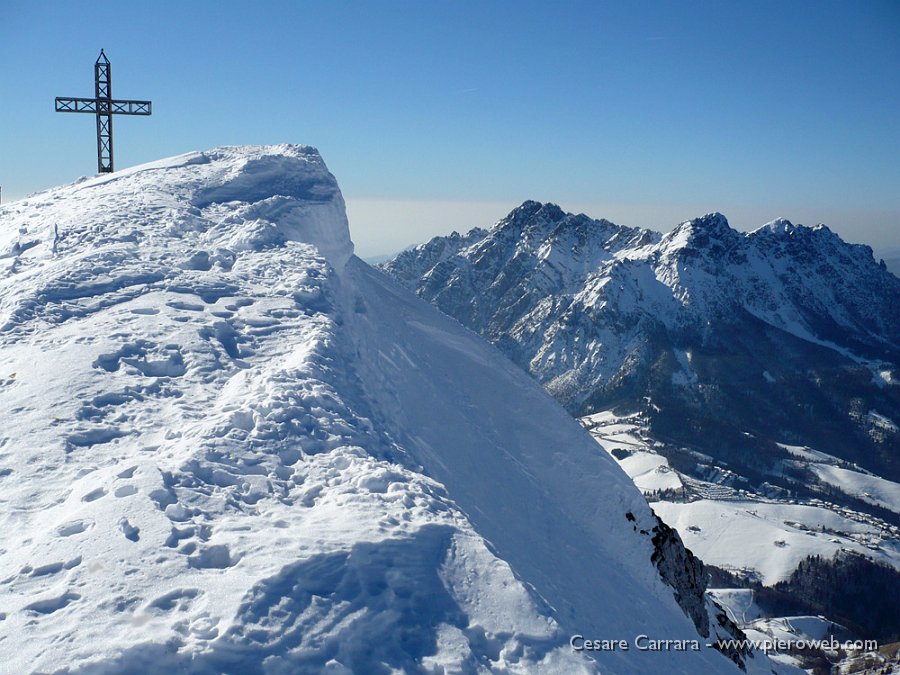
column 778, row 225
column 256, row 196
column 230, row 446
column 714, row 224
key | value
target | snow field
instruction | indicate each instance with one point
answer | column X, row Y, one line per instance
column 233, row 447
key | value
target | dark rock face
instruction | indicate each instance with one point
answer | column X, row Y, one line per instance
column 685, row 574
column 727, row 341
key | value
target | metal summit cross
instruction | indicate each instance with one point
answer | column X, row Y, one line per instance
column 104, row 107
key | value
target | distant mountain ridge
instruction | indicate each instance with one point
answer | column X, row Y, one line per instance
column 786, row 333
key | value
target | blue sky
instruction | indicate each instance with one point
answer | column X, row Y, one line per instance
column 444, row 115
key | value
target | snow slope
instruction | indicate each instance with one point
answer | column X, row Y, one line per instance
column 230, row 446
column 869, row 488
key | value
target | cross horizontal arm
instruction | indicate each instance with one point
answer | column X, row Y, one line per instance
column 90, row 105
column 79, row 105
column 130, row 107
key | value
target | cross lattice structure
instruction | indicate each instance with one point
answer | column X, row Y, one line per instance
column 104, row 106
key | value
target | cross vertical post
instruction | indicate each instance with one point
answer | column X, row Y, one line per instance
column 103, row 96
column 103, row 106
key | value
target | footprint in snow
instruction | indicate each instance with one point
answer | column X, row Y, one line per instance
column 91, row 437
column 127, row 473
column 72, row 527
column 180, row 599
column 50, row 605
column 131, row 532
column 55, row 567
column 94, row 495
column 125, row 491
column 214, row 557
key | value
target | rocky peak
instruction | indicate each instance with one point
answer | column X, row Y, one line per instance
column 779, row 226
column 531, row 215
column 701, row 232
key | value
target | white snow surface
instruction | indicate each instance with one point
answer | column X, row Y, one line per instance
column 770, row 539
column 229, row 446
column 740, row 603
column 853, row 481
column 649, row 470
column 872, row 489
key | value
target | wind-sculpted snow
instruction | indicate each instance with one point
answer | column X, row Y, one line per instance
column 232, row 447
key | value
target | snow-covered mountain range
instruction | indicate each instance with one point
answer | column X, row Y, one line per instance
column 231, row 446
column 785, row 333
column 748, row 382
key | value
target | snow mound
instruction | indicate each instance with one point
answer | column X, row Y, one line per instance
column 232, row 447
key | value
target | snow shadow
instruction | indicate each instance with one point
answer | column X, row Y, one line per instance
column 267, row 177
column 376, row 608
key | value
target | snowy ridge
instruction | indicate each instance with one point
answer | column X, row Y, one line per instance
column 231, row 446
